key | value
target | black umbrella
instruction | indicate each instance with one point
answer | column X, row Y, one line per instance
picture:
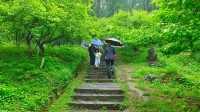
column 114, row 42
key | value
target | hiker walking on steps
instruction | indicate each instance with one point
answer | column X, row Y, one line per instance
column 91, row 51
column 109, row 58
column 97, row 58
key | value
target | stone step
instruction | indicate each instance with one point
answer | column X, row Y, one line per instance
column 98, row 97
column 99, row 80
column 96, row 77
column 97, row 70
column 95, row 110
column 100, row 85
column 96, row 105
column 97, row 73
column 99, row 91
column 100, row 68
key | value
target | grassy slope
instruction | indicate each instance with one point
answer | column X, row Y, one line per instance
column 25, row 87
column 61, row 104
column 177, row 86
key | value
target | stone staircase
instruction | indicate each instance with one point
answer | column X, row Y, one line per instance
column 98, row 92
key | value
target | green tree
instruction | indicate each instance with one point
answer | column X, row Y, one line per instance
column 42, row 22
column 180, row 20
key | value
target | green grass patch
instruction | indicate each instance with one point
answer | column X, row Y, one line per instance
column 61, row 104
column 24, row 87
column 176, row 87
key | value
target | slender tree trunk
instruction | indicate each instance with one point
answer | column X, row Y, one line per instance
column 41, row 49
column 40, row 45
column 29, row 44
column 148, row 5
column 41, row 53
column 17, row 40
column 42, row 62
column 98, row 8
column 144, row 4
column 191, row 44
column 133, row 4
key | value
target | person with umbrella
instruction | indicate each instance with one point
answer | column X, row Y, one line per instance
column 96, row 44
column 91, row 50
column 98, row 55
column 110, row 54
column 109, row 58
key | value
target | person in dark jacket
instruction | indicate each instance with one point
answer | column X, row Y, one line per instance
column 109, row 58
column 91, row 51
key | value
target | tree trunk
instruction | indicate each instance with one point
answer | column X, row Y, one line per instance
column 133, row 4
column 41, row 49
column 40, row 45
column 42, row 62
column 29, row 44
column 98, row 8
column 190, row 41
column 17, row 40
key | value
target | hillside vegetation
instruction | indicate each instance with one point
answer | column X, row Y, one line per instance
column 174, row 79
column 25, row 87
column 39, row 49
column 174, row 32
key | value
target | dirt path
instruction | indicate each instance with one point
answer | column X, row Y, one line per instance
column 124, row 73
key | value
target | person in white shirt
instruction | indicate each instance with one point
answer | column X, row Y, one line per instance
column 97, row 58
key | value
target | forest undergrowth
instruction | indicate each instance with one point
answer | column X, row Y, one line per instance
column 176, row 80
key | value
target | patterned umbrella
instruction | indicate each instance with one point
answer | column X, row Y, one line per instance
column 97, row 42
column 114, row 42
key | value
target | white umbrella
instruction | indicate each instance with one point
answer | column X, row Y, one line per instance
column 114, row 42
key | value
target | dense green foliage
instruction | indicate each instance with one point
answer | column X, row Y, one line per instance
column 25, row 87
column 180, row 24
column 175, row 26
column 174, row 31
column 34, row 25
column 42, row 22
column 177, row 80
column 106, row 8
column 136, row 28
